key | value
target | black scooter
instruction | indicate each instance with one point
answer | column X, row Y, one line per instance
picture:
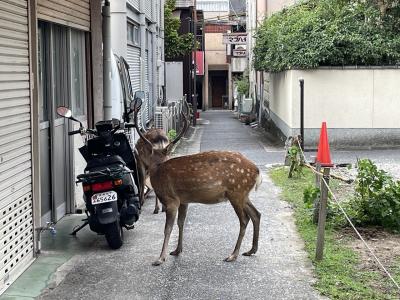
column 110, row 179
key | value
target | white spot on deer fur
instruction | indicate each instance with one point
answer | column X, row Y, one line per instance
column 244, row 180
column 232, row 166
column 238, row 186
column 211, row 178
column 248, row 174
column 239, row 160
column 238, row 169
column 242, row 171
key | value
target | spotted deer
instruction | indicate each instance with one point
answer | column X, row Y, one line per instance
column 208, row 178
column 158, row 140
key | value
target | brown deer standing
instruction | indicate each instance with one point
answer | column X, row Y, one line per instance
column 158, row 140
column 208, row 178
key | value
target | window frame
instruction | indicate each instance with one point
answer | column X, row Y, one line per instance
column 133, row 34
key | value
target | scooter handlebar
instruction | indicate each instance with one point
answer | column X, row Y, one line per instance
column 74, row 132
column 129, row 125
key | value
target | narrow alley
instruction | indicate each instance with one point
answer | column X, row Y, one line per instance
column 280, row 269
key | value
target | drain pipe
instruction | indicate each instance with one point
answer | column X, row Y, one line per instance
column 107, row 104
column 50, row 226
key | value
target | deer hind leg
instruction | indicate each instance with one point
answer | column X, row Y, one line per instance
column 169, row 224
column 157, row 206
column 181, row 221
column 255, row 217
column 243, row 220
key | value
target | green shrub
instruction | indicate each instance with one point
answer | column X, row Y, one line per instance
column 329, row 33
column 171, row 134
column 377, row 199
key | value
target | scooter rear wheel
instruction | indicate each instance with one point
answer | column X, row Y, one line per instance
column 114, row 236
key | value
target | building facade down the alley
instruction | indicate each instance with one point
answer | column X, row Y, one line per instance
column 49, row 56
column 223, row 60
column 138, row 35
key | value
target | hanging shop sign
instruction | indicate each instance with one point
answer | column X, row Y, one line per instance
column 235, row 38
column 239, row 52
column 199, row 55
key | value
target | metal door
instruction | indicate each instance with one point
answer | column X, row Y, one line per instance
column 16, row 220
column 54, row 143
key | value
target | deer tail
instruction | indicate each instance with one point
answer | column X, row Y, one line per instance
column 258, row 181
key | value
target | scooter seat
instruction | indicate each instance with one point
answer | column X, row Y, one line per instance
column 104, row 161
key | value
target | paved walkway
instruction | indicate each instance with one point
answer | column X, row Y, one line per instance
column 280, row 270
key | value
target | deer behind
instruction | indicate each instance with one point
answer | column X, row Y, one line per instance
column 208, row 178
column 159, row 140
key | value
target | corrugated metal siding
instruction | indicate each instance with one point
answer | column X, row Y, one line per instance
column 213, row 5
column 134, row 3
column 184, row 3
column 72, row 13
column 16, row 221
column 146, row 86
column 133, row 59
column 148, row 9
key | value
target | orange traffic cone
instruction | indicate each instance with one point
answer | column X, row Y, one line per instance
column 324, row 155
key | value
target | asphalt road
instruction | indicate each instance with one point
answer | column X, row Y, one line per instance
column 280, row 269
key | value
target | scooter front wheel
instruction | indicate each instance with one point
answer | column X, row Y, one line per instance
column 114, row 236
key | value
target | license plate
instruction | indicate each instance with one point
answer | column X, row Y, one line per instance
column 104, row 197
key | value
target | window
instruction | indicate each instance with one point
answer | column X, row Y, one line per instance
column 133, row 33
column 62, row 69
column 78, row 75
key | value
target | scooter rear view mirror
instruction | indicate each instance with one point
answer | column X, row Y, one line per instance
column 63, row 111
column 137, row 101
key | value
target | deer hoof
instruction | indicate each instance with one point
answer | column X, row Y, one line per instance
column 156, row 211
column 158, row 262
column 231, row 258
column 249, row 253
column 176, row 252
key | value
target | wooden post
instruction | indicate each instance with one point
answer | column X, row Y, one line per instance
column 322, row 216
column 291, row 169
column 316, row 200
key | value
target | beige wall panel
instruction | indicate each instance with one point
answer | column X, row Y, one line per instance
column 215, row 57
column 386, row 91
column 277, row 5
column 342, row 98
column 74, row 13
column 213, row 42
column 280, row 101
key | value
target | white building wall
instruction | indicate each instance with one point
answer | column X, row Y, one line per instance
column 360, row 106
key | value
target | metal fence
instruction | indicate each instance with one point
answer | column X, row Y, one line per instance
column 169, row 117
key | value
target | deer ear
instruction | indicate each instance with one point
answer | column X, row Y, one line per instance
column 167, row 150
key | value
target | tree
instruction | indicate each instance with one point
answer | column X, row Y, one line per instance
column 317, row 33
column 176, row 45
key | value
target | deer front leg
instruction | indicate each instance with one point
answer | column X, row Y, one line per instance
column 255, row 216
column 243, row 220
column 169, row 223
column 181, row 221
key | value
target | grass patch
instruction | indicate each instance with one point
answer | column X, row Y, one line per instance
column 338, row 274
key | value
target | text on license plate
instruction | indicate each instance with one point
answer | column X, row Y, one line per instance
column 104, row 197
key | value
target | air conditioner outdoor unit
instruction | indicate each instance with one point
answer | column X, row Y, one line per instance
column 247, row 106
column 161, row 118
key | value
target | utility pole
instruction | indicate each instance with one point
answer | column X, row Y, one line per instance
column 107, row 104
column 194, row 59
